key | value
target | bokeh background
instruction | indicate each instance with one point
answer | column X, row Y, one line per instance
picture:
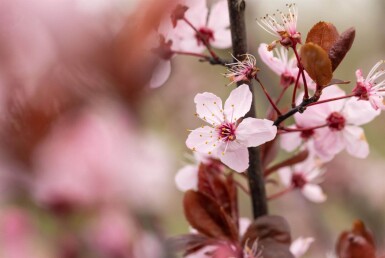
column 89, row 152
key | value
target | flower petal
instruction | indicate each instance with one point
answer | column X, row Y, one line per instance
column 209, row 108
column 203, row 140
column 285, row 174
column 238, row 103
column 328, row 143
column 314, row 193
column 356, row 144
column 254, row 132
column 359, row 112
column 219, row 16
column 290, row 141
column 161, row 73
column 236, row 159
column 270, row 60
column 222, row 39
column 187, row 178
column 300, row 246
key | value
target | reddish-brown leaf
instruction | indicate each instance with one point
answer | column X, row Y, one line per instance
column 273, row 233
column 316, row 63
column 301, row 156
column 356, row 243
column 341, row 47
column 208, row 217
column 215, row 184
column 324, row 34
column 189, row 243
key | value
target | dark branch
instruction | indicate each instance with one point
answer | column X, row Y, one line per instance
column 255, row 173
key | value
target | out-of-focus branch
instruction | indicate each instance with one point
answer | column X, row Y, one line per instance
column 255, row 173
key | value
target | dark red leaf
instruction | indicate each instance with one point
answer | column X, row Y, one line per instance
column 341, row 47
column 208, row 217
column 324, row 34
column 301, row 156
column 273, row 233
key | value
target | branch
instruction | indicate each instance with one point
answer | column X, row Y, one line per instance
column 255, row 173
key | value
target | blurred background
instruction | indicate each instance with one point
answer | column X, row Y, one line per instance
column 89, row 152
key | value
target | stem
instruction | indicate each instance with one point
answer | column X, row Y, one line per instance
column 295, row 90
column 301, row 69
column 332, row 99
column 281, row 95
column 255, row 173
column 300, row 108
column 279, row 194
column 289, row 130
column 269, row 97
column 211, row 60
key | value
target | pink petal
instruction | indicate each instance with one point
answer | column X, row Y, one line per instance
column 314, row 193
column 254, row 132
column 285, row 174
column 203, row 139
column 187, row 178
column 219, row 16
column 356, row 144
column 270, row 60
column 189, row 44
column 300, row 246
column 290, row 141
column 333, row 91
column 238, row 103
column 244, row 223
column 209, row 108
column 161, row 73
column 237, row 159
column 328, row 143
column 222, row 39
column 359, row 112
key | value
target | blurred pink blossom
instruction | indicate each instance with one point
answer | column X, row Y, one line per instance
column 300, row 246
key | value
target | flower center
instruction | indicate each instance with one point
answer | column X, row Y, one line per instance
column 287, row 79
column 361, row 92
column 298, row 180
column 226, row 132
column 205, row 33
column 306, row 134
column 336, row 121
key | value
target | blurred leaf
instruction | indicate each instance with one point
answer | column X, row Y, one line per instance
column 357, row 243
column 341, row 47
column 189, row 243
column 301, row 156
column 273, row 233
column 208, row 217
column 316, row 63
column 324, row 34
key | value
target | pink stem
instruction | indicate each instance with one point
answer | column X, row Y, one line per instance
column 301, row 69
column 289, row 130
column 332, row 99
column 279, row 194
column 269, row 97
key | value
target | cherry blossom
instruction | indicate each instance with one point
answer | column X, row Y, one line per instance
column 213, row 26
column 300, row 246
column 333, row 125
column 304, row 176
column 244, row 70
column 285, row 28
column 228, row 136
column 369, row 89
column 282, row 65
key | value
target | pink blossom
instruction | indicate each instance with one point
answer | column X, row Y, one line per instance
column 228, row 136
column 282, row 65
column 339, row 123
column 93, row 158
column 244, row 70
column 213, row 26
column 300, row 246
column 285, row 28
column 305, row 176
column 369, row 89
